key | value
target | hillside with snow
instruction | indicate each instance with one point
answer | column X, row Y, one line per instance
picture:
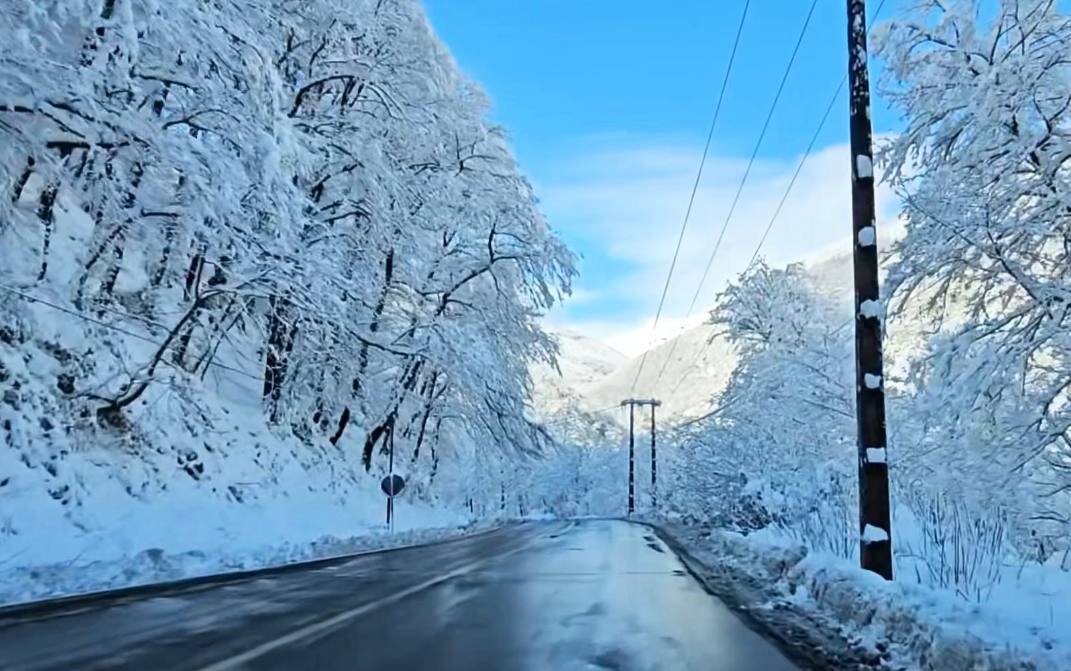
column 593, row 378
column 254, row 257
column 686, row 372
column 582, row 363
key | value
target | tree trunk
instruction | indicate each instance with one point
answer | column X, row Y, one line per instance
column 362, row 357
column 343, row 422
column 193, row 276
column 165, row 254
column 105, row 244
column 382, row 431
column 46, row 213
column 280, row 343
column 373, row 327
column 20, row 184
column 112, row 275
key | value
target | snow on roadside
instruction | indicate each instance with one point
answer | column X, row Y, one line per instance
column 904, row 624
column 184, row 489
column 24, row 584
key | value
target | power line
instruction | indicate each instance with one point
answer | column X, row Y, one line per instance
column 113, row 327
column 806, row 154
column 615, row 406
column 769, row 225
column 695, row 189
column 795, row 175
column 743, row 180
column 777, row 211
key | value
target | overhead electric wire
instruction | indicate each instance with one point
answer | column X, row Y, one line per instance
column 777, row 212
column 806, row 154
column 695, row 189
column 608, row 408
column 780, row 205
column 795, row 175
column 769, row 225
column 740, row 186
column 118, row 329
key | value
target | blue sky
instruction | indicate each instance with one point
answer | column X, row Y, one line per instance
column 608, row 104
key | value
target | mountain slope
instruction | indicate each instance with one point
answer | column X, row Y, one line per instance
column 582, row 362
column 685, row 372
column 697, row 364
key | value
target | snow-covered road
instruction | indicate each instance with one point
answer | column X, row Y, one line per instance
column 593, row 594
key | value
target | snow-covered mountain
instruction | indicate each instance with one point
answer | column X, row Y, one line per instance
column 585, row 360
column 594, row 377
column 685, row 372
column 582, row 363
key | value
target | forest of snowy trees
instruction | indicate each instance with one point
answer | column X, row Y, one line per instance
column 248, row 249
column 978, row 369
column 275, row 233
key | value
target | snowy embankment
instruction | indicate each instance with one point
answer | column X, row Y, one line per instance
column 178, row 491
column 235, row 277
column 897, row 625
column 85, row 519
column 26, row 584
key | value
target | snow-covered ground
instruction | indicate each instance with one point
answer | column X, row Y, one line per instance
column 176, row 494
column 900, row 623
column 154, row 565
column 88, row 510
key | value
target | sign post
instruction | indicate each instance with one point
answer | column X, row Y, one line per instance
column 391, row 485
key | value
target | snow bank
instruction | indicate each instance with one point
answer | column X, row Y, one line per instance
column 154, row 565
column 183, row 490
column 905, row 625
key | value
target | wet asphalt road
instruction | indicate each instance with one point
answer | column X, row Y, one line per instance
column 595, row 594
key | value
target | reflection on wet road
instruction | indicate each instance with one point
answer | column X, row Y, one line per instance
column 593, row 594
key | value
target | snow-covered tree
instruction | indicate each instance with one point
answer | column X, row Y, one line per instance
column 302, row 195
column 779, row 442
column 983, row 168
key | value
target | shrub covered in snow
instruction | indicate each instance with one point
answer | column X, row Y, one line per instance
column 902, row 624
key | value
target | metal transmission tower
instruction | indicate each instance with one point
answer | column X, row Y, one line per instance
column 875, row 551
column 632, row 403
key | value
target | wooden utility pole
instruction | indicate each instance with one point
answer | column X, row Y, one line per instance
column 654, row 460
column 631, row 458
column 632, row 403
column 875, row 533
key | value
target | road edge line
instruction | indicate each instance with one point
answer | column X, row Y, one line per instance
column 77, row 602
column 340, row 618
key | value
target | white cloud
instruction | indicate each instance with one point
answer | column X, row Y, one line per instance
column 630, row 337
column 627, row 205
column 581, row 296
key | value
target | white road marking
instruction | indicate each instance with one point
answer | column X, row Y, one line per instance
column 346, row 616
